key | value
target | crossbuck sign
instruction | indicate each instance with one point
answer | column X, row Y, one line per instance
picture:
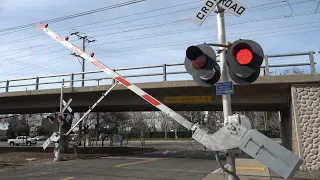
column 235, row 7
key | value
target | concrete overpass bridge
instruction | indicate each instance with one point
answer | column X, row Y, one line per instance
column 268, row 93
column 297, row 97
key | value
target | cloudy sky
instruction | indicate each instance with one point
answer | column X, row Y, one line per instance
column 152, row 32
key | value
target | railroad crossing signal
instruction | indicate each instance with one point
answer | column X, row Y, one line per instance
column 244, row 58
column 200, row 62
column 235, row 134
column 64, row 120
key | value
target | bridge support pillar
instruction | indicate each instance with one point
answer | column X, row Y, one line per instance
column 300, row 125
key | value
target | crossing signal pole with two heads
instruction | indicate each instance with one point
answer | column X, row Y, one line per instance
column 241, row 60
column 58, row 145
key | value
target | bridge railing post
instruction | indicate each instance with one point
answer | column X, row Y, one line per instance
column 266, row 60
column 71, row 80
column 37, row 83
column 113, row 80
column 311, row 59
column 7, row 86
column 164, row 67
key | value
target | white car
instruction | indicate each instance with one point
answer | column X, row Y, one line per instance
column 24, row 140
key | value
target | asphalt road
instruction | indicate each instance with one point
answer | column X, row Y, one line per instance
column 117, row 168
column 167, row 162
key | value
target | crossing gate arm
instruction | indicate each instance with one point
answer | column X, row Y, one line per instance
column 177, row 117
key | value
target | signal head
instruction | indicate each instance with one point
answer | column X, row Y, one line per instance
column 244, row 58
column 200, row 62
column 61, row 117
column 51, row 118
column 69, row 118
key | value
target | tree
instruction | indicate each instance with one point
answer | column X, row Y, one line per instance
column 88, row 128
column 42, row 131
column 110, row 123
column 214, row 120
column 151, row 120
column 33, row 120
column 164, row 124
column 139, row 125
column 18, row 127
column 292, row 71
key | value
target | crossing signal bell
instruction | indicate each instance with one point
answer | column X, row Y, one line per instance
column 200, row 63
column 244, row 58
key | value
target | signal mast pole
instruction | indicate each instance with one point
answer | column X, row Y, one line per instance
column 226, row 100
column 58, row 146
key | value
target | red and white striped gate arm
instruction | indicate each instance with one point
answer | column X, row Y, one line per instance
column 177, row 117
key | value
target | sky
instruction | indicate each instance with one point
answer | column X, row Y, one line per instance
column 151, row 32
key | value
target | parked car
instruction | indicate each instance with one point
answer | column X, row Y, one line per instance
column 40, row 138
column 23, row 140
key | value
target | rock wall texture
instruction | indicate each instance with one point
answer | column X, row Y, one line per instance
column 306, row 124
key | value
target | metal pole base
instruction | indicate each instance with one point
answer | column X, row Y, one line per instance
column 56, row 152
column 231, row 162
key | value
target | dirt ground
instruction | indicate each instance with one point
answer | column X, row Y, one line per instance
column 12, row 159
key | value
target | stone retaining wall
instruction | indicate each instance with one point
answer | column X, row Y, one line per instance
column 306, row 124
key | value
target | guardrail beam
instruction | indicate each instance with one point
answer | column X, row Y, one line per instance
column 267, row 66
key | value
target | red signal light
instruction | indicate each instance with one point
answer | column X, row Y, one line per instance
column 244, row 56
column 200, row 61
column 197, row 57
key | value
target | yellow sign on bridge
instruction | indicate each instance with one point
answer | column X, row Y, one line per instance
column 187, row 99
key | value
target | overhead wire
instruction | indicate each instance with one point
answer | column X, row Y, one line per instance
column 195, row 39
column 250, row 35
column 117, row 18
column 206, row 38
column 45, row 53
column 55, row 51
column 138, row 37
column 248, row 32
column 303, row 14
column 31, row 25
column 250, row 10
column 158, row 25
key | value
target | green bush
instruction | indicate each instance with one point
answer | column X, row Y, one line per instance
column 3, row 138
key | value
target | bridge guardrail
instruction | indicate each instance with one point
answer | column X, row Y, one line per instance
column 164, row 74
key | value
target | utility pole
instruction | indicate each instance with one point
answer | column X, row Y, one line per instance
column 85, row 39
